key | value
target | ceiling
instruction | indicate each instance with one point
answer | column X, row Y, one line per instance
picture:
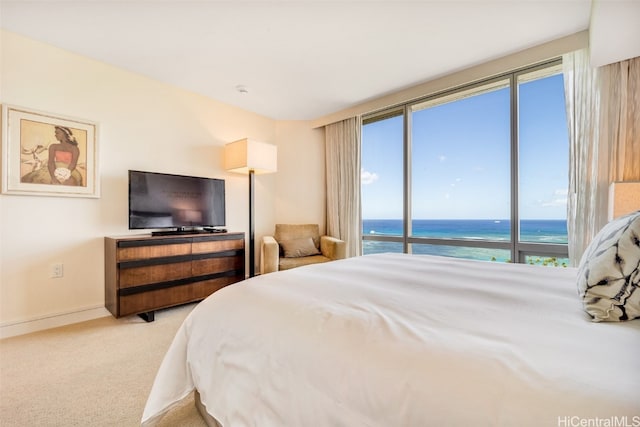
column 299, row 60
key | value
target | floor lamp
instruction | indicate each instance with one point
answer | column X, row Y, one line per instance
column 251, row 157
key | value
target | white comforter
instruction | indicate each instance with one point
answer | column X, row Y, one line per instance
column 403, row 340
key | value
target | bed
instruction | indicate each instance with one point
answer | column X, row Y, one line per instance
column 402, row 340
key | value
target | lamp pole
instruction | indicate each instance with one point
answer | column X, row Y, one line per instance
column 252, row 251
column 250, row 156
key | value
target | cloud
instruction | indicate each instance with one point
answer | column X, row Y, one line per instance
column 559, row 199
column 367, row 177
column 442, row 158
column 555, row 202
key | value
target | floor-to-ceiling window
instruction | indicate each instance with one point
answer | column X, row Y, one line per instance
column 382, row 182
column 479, row 172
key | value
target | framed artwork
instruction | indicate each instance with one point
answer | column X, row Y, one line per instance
column 45, row 154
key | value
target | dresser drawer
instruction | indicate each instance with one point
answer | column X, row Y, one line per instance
column 201, row 267
column 145, row 275
column 156, row 299
column 133, row 252
column 199, row 247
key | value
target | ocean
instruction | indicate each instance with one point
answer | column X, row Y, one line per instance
column 537, row 231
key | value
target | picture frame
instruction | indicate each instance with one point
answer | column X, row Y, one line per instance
column 46, row 154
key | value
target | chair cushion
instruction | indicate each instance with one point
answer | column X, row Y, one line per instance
column 287, row 263
column 299, row 248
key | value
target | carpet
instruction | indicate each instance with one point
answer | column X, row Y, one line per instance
column 94, row 373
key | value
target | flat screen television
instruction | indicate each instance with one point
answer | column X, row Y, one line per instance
column 177, row 202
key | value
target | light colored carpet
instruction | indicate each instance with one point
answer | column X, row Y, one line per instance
column 95, row 373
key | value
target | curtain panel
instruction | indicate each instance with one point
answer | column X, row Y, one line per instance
column 620, row 88
column 603, row 114
column 342, row 145
column 588, row 172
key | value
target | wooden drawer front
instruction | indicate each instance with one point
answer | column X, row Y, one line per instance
column 154, row 300
column 137, row 276
column 155, row 251
column 217, row 246
column 207, row 287
column 201, row 267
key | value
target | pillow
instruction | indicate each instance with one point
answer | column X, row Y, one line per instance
column 609, row 271
column 299, row 247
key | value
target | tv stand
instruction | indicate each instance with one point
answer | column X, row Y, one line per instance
column 145, row 273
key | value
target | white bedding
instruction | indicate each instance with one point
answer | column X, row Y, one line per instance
column 403, row 340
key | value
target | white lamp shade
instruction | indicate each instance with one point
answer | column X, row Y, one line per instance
column 624, row 197
column 246, row 154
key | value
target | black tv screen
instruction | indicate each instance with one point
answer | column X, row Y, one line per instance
column 160, row 200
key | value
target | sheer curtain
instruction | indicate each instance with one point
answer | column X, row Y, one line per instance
column 588, row 174
column 342, row 145
column 603, row 116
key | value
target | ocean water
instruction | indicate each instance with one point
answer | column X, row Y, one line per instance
column 537, row 231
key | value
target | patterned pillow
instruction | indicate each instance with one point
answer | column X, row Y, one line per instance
column 609, row 271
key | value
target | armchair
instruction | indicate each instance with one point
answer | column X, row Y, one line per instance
column 294, row 245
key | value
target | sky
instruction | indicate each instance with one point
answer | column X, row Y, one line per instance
column 461, row 157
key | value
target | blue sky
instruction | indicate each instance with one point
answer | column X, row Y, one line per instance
column 460, row 158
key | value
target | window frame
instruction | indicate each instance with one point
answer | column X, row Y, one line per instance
column 519, row 250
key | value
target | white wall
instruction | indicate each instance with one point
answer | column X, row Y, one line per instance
column 144, row 125
column 535, row 54
column 614, row 31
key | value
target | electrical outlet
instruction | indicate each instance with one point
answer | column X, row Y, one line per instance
column 57, row 270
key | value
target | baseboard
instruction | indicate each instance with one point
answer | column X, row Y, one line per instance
column 12, row 329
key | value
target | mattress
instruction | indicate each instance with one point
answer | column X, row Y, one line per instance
column 402, row 340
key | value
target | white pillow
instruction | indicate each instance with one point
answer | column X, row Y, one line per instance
column 609, row 271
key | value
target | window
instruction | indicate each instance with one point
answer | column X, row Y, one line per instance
column 480, row 172
column 382, row 191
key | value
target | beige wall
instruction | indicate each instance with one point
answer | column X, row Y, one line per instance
column 143, row 124
column 301, row 174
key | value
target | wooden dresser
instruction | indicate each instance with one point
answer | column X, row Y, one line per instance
column 144, row 273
